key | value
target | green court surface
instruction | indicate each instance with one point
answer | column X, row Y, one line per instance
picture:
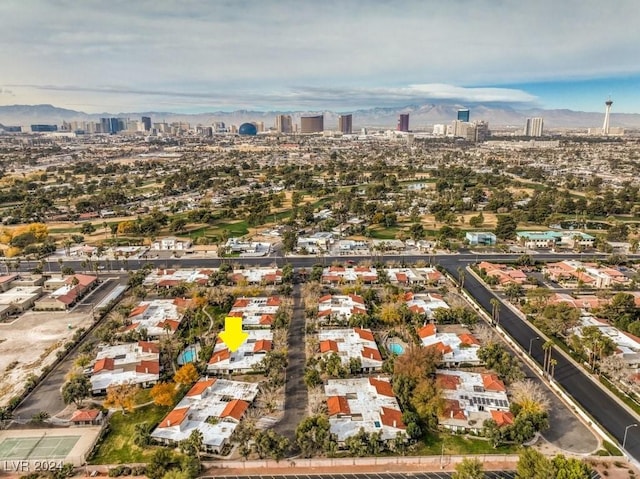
column 42, row 447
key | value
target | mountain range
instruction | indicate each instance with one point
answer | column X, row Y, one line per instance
column 421, row 116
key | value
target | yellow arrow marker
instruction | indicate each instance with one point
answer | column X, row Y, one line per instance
column 233, row 335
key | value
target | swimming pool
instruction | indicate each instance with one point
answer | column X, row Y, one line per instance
column 189, row 355
column 396, row 348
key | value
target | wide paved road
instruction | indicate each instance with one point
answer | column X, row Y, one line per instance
column 607, row 412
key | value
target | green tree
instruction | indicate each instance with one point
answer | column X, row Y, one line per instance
column 142, row 434
column 76, row 389
column 469, row 468
column 289, row 240
column 270, row 444
column 534, row 465
column 416, row 231
column 476, row 221
column 506, row 227
column 313, row 435
column 570, row 468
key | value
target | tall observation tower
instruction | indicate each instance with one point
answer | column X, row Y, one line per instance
column 607, row 111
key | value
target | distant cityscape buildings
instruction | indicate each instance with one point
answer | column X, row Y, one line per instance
column 345, row 124
column 607, row 113
column 248, row 129
column 44, row 128
column 460, row 128
column 533, row 127
column 464, row 115
column 284, row 124
column 311, row 124
column 403, row 122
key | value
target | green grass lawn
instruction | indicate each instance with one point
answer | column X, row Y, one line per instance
column 117, row 446
column 384, row 233
column 454, row 444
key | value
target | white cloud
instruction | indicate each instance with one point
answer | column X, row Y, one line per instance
column 243, row 48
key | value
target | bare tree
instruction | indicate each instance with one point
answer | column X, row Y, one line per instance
column 614, row 367
column 530, row 396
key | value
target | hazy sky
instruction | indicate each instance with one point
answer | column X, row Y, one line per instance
column 204, row 55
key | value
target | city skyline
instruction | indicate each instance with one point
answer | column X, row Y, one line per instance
column 126, row 56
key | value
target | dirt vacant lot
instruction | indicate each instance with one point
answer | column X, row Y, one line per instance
column 30, row 343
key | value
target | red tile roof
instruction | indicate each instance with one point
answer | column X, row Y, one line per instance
column 392, row 418
column 148, row 367
column 235, row 409
column 200, row 387
column 327, row 345
column 138, row 310
column 171, row 323
column 356, row 299
column 452, row 410
column 427, row 330
column 266, row 319
column 447, row 381
column 149, row 347
column 492, row 383
column 468, row 339
column 441, row 347
column 83, row 279
column 85, row 415
column 338, row 405
column 220, row 356
column 104, row 364
column 382, row 387
column 241, row 303
column 502, row 418
column 182, row 302
column 365, row 334
column 262, row 345
column 371, row 353
column 273, row 301
column 175, row 417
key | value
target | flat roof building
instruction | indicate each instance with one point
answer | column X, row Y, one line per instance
column 311, row 124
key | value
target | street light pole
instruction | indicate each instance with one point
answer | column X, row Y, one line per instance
column 531, row 343
column 626, row 430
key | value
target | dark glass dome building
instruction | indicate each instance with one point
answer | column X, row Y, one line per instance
column 248, row 129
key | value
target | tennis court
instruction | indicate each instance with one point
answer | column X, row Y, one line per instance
column 40, row 447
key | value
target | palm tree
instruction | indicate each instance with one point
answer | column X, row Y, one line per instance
column 547, row 347
column 461, row 276
column 553, row 363
column 495, row 310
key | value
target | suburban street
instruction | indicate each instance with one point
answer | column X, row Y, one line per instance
column 612, row 416
column 295, row 399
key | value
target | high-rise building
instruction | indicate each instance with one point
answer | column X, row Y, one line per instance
column 472, row 132
column 464, row 115
column 345, row 124
column 312, row 124
column 284, row 124
column 533, row 127
column 607, row 112
column 146, row 122
column 403, row 122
